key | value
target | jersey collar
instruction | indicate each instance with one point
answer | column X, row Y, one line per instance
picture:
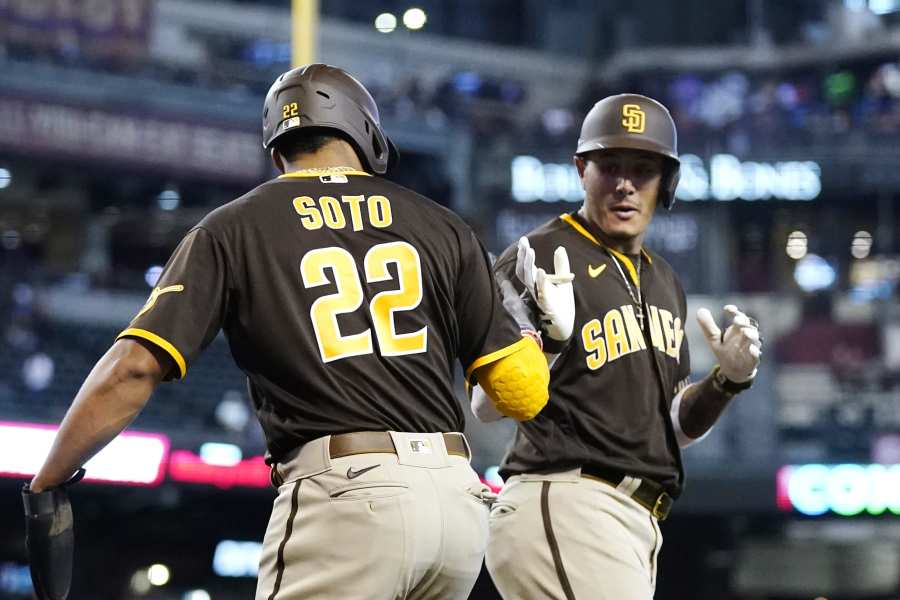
column 317, row 172
column 573, row 222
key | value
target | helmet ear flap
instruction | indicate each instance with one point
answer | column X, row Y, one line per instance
column 377, row 148
column 669, row 183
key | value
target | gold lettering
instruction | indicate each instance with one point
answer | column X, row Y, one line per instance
column 666, row 318
column 355, row 211
column 310, row 217
column 635, row 335
column 289, row 110
column 380, row 211
column 679, row 337
column 594, row 344
column 616, row 341
column 331, row 210
column 656, row 337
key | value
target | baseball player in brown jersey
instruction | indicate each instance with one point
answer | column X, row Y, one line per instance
column 345, row 299
column 588, row 480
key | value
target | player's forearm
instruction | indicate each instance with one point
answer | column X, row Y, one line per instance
column 702, row 403
column 110, row 398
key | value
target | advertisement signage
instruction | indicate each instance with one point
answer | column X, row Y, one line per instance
column 103, row 135
column 845, row 489
column 723, row 178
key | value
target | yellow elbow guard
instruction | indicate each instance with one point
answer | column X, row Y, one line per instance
column 517, row 383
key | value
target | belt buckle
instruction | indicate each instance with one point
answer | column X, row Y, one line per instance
column 659, row 510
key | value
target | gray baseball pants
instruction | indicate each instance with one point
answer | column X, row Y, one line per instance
column 561, row 536
column 409, row 524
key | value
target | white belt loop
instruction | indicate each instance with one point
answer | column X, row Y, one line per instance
column 629, row 485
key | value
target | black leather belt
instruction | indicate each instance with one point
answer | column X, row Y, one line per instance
column 649, row 494
column 369, row 442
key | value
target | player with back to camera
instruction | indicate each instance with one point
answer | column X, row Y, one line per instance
column 588, row 480
column 345, row 299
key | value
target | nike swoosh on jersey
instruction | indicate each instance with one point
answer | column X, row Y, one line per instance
column 595, row 271
column 351, row 474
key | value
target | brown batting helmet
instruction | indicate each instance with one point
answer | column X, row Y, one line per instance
column 325, row 97
column 639, row 123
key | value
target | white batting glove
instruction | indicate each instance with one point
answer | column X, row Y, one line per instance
column 737, row 349
column 553, row 293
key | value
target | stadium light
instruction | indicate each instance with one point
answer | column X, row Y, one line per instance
column 884, row 7
column 813, row 273
column 219, row 454
column 37, row 372
column 151, row 276
column 139, row 583
column 386, row 22
column 797, row 245
column 237, row 559
column 158, row 575
column 5, row 178
column 414, row 18
column 861, row 245
column 169, row 199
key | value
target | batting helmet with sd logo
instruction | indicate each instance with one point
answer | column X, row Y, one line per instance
column 639, row 123
column 325, row 97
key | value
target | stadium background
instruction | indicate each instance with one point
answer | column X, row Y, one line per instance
column 123, row 121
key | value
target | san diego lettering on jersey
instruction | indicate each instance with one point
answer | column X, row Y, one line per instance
column 617, row 334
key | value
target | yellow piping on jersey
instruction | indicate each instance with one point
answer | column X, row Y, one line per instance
column 622, row 258
column 162, row 343
column 518, row 383
column 325, row 171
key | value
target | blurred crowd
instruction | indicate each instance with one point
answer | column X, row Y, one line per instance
column 728, row 111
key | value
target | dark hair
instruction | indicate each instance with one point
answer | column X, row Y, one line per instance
column 306, row 141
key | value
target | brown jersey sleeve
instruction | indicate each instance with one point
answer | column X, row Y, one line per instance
column 684, row 357
column 186, row 308
column 487, row 331
column 516, row 298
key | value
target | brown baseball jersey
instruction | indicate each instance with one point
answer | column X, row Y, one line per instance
column 345, row 299
column 612, row 387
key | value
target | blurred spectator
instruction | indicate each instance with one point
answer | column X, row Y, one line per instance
column 818, row 339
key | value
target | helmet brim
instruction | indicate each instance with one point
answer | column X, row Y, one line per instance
column 628, row 142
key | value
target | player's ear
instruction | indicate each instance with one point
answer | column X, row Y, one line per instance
column 277, row 159
column 579, row 164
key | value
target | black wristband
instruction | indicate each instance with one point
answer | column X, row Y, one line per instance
column 726, row 385
column 551, row 346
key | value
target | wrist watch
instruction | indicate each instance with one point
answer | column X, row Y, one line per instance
column 726, row 385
